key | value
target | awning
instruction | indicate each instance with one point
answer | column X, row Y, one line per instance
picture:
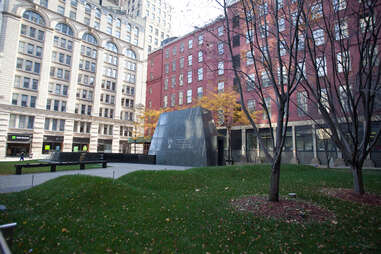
column 139, row 140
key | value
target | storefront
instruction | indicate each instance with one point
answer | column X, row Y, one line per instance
column 52, row 144
column 81, row 144
column 104, row 146
column 124, row 147
column 19, row 143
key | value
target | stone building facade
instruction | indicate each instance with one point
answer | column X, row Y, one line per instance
column 71, row 76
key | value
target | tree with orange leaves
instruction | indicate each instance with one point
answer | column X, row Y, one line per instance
column 226, row 111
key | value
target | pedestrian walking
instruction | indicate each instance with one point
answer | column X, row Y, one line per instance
column 22, row 156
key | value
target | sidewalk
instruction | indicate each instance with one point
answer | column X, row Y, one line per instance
column 13, row 183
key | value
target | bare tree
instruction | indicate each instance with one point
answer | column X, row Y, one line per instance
column 342, row 60
column 271, row 55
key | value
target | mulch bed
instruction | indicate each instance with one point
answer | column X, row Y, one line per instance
column 350, row 195
column 288, row 210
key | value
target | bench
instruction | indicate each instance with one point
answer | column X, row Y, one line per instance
column 53, row 165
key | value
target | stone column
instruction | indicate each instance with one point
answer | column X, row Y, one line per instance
column 339, row 162
column 294, row 159
column 315, row 159
column 243, row 147
column 116, row 139
column 94, row 137
column 4, row 123
column 38, row 136
column 68, row 137
column 258, row 147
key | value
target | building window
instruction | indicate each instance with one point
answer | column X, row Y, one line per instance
column 220, row 68
column 250, row 82
column 200, row 74
column 220, row 47
column 189, row 77
column 249, row 36
column 321, row 65
column 34, row 17
column 165, row 101
column 316, row 10
column 181, row 98
column 200, row 56
column 190, row 60
column 61, row 10
column 302, row 103
column 282, row 24
column 181, row 79
column 44, row 3
column 341, row 30
column 181, row 62
column 343, row 61
column 73, row 14
column 190, row 44
column 200, row 39
column 220, row 87
column 249, row 58
column 235, row 21
column 265, row 79
column 339, row 5
column 318, row 36
column 220, row 30
column 251, row 105
column 189, row 96
column 173, row 100
column 236, row 40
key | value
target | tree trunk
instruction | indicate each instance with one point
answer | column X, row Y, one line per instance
column 358, row 183
column 274, row 181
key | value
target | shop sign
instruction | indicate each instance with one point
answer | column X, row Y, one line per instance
column 53, row 138
column 81, row 140
column 19, row 138
column 47, row 147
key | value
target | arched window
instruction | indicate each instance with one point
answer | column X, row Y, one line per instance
column 131, row 54
column 118, row 23
column 90, row 39
column 88, row 8
column 112, row 47
column 65, row 29
column 34, row 17
column 128, row 27
column 109, row 19
column 97, row 13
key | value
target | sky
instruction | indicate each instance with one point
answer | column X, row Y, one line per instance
column 191, row 13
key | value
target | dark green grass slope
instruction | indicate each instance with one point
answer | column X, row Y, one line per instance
column 187, row 212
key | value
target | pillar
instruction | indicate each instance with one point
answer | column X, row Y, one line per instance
column 339, row 162
column 243, row 147
column 294, row 159
column 315, row 159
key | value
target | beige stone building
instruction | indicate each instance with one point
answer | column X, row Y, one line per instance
column 158, row 15
column 71, row 76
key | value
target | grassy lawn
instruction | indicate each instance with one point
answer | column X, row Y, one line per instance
column 8, row 167
column 187, row 212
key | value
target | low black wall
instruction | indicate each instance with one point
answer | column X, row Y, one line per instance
column 110, row 157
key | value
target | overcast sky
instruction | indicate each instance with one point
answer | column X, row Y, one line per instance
column 191, row 13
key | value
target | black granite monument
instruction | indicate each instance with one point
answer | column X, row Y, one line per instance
column 185, row 137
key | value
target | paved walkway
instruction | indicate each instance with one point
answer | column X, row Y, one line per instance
column 13, row 183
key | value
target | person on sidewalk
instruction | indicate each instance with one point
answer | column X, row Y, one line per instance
column 22, row 156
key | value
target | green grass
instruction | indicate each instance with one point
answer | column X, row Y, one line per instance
column 161, row 212
column 8, row 167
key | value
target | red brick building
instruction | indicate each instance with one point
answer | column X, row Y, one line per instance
column 190, row 66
